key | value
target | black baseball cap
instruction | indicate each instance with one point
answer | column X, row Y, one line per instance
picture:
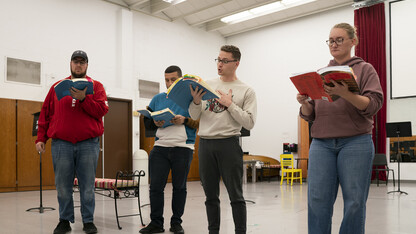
column 81, row 54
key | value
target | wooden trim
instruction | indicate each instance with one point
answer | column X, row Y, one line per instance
column 304, row 142
column 34, row 188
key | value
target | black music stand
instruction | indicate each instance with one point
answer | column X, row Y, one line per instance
column 399, row 129
column 35, row 133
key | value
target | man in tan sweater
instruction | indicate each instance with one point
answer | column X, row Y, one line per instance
column 220, row 155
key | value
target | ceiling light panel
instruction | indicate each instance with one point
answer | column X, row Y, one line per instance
column 267, row 8
column 173, row 2
column 263, row 10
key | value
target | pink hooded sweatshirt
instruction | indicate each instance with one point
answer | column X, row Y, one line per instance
column 340, row 118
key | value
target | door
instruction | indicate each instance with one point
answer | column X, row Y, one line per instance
column 7, row 145
column 28, row 173
column 117, row 139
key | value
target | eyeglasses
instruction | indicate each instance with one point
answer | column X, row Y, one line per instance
column 338, row 41
column 224, row 61
column 81, row 62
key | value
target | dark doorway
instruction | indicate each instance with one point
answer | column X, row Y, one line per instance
column 117, row 139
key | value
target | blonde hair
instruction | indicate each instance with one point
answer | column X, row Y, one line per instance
column 351, row 31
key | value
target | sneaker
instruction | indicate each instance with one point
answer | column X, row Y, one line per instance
column 62, row 227
column 176, row 228
column 151, row 228
column 90, row 228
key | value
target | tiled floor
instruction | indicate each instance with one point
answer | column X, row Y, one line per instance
column 277, row 209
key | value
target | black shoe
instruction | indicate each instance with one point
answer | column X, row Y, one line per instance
column 90, row 228
column 62, row 227
column 151, row 228
column 176, row 228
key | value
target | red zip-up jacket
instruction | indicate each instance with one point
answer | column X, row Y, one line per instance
column 70, row 120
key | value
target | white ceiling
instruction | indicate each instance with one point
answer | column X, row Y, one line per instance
column 206, row 14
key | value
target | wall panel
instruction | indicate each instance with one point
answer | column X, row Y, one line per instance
column 7, row 145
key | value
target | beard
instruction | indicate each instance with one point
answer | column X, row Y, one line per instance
column 78, row 75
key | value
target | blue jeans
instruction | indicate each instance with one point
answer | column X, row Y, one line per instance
column 78, row 159
column 161, row 161
column 341, row 161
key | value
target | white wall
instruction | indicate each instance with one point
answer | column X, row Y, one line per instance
column 269, row 57
column 122, row 46
column 402, row 44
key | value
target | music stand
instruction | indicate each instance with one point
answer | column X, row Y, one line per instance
column 35, row 133
column 399, row 129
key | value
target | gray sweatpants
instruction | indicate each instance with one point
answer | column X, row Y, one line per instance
column 222, row 158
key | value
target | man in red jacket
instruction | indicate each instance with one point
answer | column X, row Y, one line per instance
column 75, row 124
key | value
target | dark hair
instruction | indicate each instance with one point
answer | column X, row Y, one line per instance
column 174, row 68
column 234, row 50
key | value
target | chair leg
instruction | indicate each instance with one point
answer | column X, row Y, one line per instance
column 377, row 178
column 138, row 203
column 281, row 178
column 270, row 175
column 291, row 178
column 288, row 177
column 394, row 181
column 116, row 194
column 387, row 178
column 300, row 177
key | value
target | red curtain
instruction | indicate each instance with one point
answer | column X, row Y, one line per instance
column 371, row 30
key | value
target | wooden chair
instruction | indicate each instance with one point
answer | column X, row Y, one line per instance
column 287, row 166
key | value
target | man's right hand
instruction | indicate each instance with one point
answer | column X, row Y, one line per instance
column 197, row 94
column 40, row 147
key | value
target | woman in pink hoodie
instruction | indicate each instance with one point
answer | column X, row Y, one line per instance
column 342, row 151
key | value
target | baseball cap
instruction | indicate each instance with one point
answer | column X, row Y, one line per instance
column 81, row 54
